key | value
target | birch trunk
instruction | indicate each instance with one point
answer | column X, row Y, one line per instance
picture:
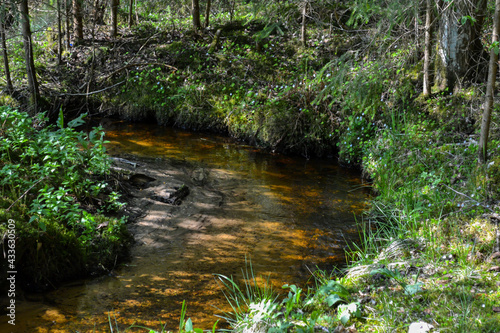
column 427, row 49
column 459, row 48
column 303, row 35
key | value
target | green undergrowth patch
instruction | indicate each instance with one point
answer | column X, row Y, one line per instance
column 53, row 186
column 428, row 243
column 430, row 240
column 256, row 83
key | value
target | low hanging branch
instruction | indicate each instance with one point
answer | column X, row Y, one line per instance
column 121, row 82
column 95, row 92
column 468, row 197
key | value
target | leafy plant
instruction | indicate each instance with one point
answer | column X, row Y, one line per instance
column 409, row 289
column 49, row 174
column 293, row 300
column 347, row 311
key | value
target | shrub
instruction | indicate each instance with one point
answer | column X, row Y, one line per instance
column 50, row 177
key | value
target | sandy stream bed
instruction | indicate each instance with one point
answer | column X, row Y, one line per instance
column 177, row 250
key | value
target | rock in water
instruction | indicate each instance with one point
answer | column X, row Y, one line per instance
column 199, row 176
column 174, row 198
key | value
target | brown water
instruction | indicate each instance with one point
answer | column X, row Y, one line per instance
column 289, row 215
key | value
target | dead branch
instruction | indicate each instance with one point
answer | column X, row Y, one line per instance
column 137, row 65
column 94, row 92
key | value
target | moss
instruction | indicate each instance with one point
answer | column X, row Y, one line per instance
column 8, row 100
column 46, row 258
column 493, row 172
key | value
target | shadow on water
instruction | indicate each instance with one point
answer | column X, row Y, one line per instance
column 289, row 215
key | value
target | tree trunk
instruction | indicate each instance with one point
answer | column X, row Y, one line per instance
column 427, row 48
column 114, row 18
column 9, row 86
column 28, row 54
column 460, row 49
column 207, row 13
column 196, row 15
column 99, row 9
column 490, row 88
column 232, row 4
column 303, row 34
column 68, row 22
column 131, row 14
column 59, row 33
column 77, row 21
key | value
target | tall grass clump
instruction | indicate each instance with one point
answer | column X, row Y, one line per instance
column 256, row 307
column 252, row 304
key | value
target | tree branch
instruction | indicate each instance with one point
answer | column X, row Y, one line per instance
column 139, row 64
column 94, row 92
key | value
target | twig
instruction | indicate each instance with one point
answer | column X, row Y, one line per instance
column 143, row 45
column 25, row 193
column 465, row 195
column 94, row 92
column 139, row 64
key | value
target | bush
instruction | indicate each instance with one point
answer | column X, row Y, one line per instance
column 50, row 177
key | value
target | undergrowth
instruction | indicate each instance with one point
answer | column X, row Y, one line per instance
column 53, row 186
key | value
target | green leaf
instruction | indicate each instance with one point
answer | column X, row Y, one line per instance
column 60, row 120
column 495, row 47
column 78, row 121
column 387, row 272
column 333, row 299
column 189, row 325
column 346, row 311
column 214, row 327
column 344, row 318
column 412, row 289
column 42, row 226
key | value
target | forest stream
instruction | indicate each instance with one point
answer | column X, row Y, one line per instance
column 285, row 215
